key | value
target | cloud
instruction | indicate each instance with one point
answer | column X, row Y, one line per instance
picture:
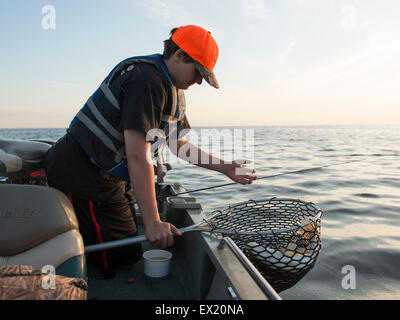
column 173, row 12
column 256, row 9
column 285, row 54
column 375, row 57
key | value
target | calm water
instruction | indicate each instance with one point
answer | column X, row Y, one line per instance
column 360, row 200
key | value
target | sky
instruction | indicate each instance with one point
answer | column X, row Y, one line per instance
column 281, row 62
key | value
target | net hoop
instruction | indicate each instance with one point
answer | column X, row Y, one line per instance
column 317, row 216
column 280, row 236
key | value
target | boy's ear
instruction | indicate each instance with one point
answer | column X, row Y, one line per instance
column 179, row 55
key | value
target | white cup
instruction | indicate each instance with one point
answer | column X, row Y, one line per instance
column 157, row 263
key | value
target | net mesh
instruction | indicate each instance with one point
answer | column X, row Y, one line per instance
column 287, row 254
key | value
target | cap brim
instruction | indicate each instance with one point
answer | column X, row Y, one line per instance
column 207, row 74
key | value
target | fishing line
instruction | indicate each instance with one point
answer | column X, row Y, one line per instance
column 265, row 177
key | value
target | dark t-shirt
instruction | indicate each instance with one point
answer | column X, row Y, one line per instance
column 144, row 96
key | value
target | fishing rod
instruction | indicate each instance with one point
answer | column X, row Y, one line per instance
column 265, row 177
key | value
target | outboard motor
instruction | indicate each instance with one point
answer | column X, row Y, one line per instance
column 38, row 226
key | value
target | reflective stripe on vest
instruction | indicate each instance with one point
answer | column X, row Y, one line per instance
column 109, row 95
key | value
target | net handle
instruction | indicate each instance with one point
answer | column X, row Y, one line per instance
column 199, row 227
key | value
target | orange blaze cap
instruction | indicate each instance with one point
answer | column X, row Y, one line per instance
column 201, row 47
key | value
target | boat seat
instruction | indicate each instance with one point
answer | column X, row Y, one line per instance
column 20, row 155
column 38, row 227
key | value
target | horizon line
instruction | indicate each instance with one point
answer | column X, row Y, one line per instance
column 237, row 126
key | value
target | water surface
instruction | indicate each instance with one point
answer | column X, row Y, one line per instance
column 360, row 200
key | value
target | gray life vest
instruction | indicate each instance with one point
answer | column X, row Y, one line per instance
column 103, row 141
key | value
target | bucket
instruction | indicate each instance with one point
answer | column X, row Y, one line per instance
column 157, row 263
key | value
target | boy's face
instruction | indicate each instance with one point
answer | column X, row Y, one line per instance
column 186, row 74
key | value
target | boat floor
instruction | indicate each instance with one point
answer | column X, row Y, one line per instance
column 132, row 284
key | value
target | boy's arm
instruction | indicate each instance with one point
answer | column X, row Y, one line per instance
column 141, row 174
column 193, row 154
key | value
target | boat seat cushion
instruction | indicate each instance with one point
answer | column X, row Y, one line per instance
column 31, row 215
column 18, row 155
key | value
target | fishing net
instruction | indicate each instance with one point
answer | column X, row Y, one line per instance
column 289, row 248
